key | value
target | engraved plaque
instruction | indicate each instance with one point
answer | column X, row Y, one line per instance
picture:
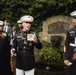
column 58, row 27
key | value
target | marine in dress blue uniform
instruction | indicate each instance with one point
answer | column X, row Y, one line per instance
column 23, row 45
column 70, row 48
column 5, row 68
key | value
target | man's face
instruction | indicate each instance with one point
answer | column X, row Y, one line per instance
column 20, row 25
column 26, row 25
column 74, row 21
column 5, row 22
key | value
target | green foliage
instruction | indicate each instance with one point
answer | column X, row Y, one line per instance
column 39, row 9
column 51, row 53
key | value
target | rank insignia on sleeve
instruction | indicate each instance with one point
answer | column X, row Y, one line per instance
column 4, row 34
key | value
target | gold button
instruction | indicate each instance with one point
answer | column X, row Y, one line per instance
column 24, row 47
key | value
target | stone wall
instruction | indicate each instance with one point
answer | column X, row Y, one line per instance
column 56, row 25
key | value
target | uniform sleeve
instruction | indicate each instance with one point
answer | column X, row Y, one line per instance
column 8, row 46
column 14, row 45
column 66, row 46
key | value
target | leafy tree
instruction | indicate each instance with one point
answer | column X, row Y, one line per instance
column 39, row 9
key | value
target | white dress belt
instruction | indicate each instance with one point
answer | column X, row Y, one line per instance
column 71, row 44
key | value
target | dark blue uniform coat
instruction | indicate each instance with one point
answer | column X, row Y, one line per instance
column 24, row 50
column 5, row 68
column 70, row 54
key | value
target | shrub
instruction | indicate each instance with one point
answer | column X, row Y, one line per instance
column 51, row 53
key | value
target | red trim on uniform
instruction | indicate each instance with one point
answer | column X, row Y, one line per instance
column 1, row 35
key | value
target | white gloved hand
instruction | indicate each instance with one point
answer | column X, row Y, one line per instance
column 13, row 52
